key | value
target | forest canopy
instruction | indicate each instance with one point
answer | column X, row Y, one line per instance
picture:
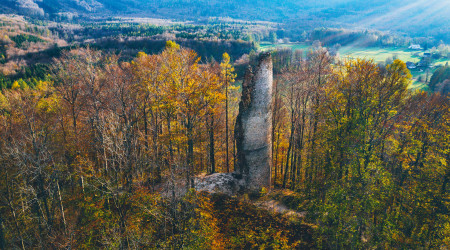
column 102, row 154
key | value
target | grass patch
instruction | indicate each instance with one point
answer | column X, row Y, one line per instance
column 290, row 199
column 379, row 54
column 249, row 227
column 295, row 46
column 416, row 84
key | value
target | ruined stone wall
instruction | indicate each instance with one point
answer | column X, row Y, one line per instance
column 253, row 135
column 253, row 130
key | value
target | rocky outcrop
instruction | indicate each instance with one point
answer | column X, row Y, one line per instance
column 224, row 183
column 253, row 135
column 253, row 130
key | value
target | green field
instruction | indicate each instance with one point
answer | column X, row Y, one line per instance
column 294, row 46
column 416, row 84
column 377, row 54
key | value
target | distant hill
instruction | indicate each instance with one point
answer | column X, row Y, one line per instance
column 415, row 17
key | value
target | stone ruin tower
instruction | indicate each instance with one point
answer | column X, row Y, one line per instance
column 253, row 135
column 253, row 131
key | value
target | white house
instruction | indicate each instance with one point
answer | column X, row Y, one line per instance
column 411, row 65
column 415, row 47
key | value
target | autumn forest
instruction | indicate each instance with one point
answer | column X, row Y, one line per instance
column 193, row 124
column 102, row 155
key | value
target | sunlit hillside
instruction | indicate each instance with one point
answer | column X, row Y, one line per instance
column 428, row 17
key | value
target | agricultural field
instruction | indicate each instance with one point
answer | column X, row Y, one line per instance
column 295, row 46
column 379, row 54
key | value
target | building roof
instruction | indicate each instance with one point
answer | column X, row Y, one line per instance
column 415, row 46
column 411, row 65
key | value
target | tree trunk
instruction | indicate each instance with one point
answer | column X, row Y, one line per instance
column 276, row 160
column 190, row 153
column 226, row 124
column 13, row 212
column 287, row 158
column 294, row 168
column 61, row 205
column 156, row 151
column 211, row 145
column 2, row 235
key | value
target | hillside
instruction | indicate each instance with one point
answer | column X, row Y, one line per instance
column 416, row 17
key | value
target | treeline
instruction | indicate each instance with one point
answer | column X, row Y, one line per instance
column 440, row 80
column 99, row 30
column 207, row 31
column 20, row 39
column 347, row 37
column 127, row 49
column 206, row 49
column 330, row 37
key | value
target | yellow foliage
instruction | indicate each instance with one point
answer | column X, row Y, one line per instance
column 15, row 85
column 48, row 101
column 141, row 54
column 3, row 101
column 19, row 84
column 227, row 69
column 49, row 104
column 43, row 86
column 172, row 45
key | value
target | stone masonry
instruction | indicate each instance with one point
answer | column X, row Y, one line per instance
column 253, row 135
column 253, row 131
